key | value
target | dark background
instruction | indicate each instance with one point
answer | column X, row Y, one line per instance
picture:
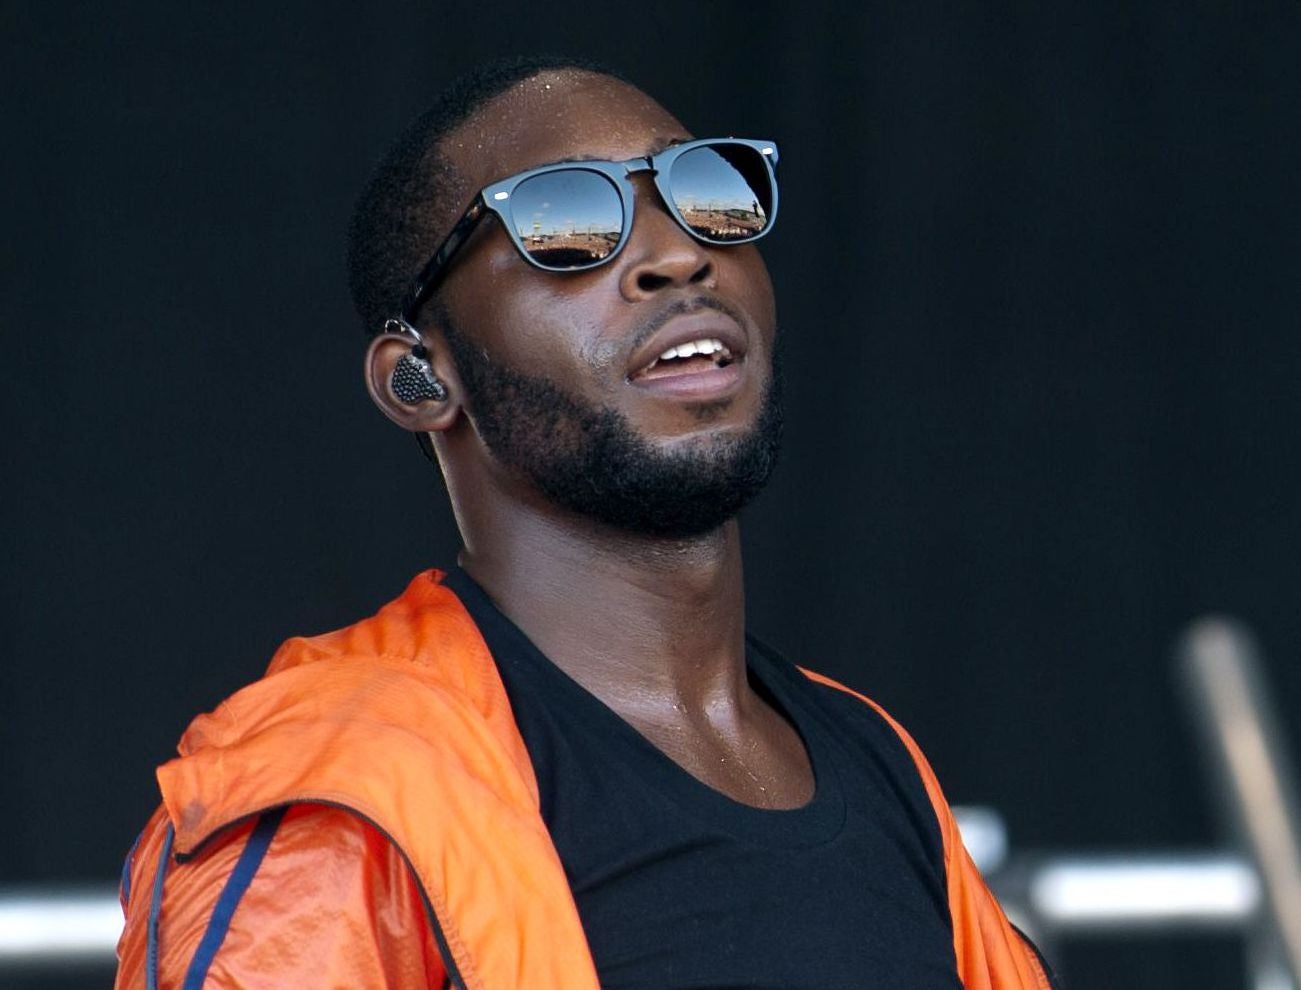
column 1038, row 277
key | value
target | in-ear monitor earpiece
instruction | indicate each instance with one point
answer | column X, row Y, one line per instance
column 413, row 379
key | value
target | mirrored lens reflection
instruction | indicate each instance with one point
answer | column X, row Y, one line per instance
column 567, row 219
column 724, row 192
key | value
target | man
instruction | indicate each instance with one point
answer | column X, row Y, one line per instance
column 562, row 764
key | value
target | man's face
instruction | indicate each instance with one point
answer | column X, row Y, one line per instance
column 556, row 364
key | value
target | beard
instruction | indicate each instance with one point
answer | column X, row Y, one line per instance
column 590, row 460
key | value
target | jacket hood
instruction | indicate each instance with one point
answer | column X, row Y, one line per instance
column 401, row 718
column 327, row 700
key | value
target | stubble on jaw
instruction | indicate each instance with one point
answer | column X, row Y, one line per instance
column 591, row 460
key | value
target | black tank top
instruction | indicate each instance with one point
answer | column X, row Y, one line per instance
column 678, row 886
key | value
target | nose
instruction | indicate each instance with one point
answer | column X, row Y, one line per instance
column 660, row 254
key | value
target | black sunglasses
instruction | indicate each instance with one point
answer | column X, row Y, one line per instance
column 572, row 216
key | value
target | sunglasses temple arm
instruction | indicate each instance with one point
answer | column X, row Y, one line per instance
column 432, row 273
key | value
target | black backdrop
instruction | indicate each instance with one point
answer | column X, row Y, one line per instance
column 1038, row 275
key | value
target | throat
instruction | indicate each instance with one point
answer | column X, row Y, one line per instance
column 760, row 761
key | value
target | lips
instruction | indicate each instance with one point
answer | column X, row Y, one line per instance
column 697, row 355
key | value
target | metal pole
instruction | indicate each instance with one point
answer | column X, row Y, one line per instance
column 1235, row 717
column 57, row 927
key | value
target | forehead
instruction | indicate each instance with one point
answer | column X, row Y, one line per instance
column 552, row 116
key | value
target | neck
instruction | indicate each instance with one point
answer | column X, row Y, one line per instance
column 652, row 627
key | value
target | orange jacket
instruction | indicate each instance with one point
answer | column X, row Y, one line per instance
column 366, row 816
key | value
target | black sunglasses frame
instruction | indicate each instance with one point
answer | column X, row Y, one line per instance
column 496, row 199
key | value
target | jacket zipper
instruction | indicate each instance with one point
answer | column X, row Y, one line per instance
column 454, row 980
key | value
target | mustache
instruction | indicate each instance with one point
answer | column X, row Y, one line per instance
column 681, row 307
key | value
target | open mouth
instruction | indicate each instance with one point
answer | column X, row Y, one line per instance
column 693, row 357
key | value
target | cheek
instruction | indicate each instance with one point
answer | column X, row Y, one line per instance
column 537, row 324
column 743, row 276
column 497, row 301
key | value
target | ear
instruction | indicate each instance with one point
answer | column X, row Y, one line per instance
column 427, row 415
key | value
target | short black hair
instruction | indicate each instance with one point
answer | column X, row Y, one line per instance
column 390, row 236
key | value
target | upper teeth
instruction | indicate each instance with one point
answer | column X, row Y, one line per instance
column 709, row 345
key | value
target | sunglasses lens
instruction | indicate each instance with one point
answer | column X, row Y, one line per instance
column 724, row 192
column 567, row 219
